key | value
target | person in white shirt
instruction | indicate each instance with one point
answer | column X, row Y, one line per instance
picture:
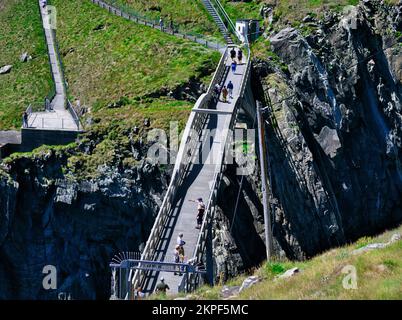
column 180, row 241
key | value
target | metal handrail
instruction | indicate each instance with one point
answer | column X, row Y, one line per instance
column 50, row 96
column 74, row 114
column 128, row 13
column 222, row 12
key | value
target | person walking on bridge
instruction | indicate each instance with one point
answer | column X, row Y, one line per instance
column 233, row 54
column 180, row 242
column 225, row 94
column 240, row 55
column 162, row 287
column 217, row 92
column 178, row 257
column 200, row 212
column 234, row 66
column 230, row 89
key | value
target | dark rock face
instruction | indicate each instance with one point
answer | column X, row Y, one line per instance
column 336, row 148
column 238, row 226
column 48, row 219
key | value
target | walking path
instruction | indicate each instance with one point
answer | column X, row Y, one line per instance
column 13, row 137
column 59, row 118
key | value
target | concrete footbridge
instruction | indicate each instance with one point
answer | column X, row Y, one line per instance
column 206, row 144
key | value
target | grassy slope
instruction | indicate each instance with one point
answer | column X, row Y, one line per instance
column 190, row 15
column 285, row 12
column 20, row 31
column 127, row 62
column 123, row 60
column 379, row 275
column 291, row 10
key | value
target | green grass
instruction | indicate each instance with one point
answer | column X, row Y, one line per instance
column 21, row 31
column 242, row 10
column 190, row 16
column 109, row 60
column 379, row 275
column 122, row 60
column 292, row 11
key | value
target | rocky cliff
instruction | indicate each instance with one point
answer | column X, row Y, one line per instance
column 334, row 131
column 49, row 218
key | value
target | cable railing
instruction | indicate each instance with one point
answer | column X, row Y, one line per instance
column 171, row 28
column 226, row 19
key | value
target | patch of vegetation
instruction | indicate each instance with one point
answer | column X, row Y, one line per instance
column 190, row 16
column 28, row 82
column 287, row 11
column 379, row 275
column 242, row 10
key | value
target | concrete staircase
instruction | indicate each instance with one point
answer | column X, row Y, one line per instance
column 221, row 25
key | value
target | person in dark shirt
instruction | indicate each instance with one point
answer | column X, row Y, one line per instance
column 233, row 53
column 162, row 287
column 240, row 55
column 230, row 89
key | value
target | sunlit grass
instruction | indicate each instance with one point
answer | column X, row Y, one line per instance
column 28, row 82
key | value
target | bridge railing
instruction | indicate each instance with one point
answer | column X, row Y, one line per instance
column 226, row 19
column 52, row 92
column 74, row 114
column 122, row 273
column 129, row 14
column 187, row 150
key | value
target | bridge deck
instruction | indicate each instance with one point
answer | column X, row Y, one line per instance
column 196, row 184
